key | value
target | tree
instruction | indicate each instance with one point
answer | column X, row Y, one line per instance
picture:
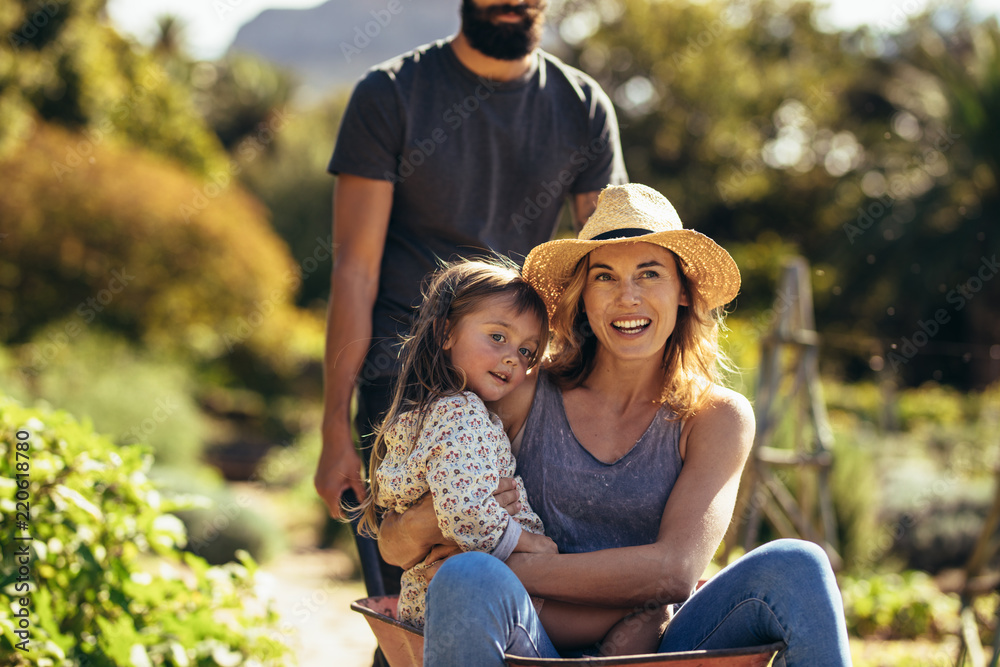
column 142, row 247
column 775, row 136
column 61, row 63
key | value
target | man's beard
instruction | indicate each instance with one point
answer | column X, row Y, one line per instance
column 503, row 41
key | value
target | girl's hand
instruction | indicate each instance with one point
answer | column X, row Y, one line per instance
column 536, row 544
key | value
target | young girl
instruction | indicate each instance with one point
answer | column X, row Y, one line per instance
column 478, row 331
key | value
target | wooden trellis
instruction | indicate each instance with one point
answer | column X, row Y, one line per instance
column 787, row 482
column 975, row 584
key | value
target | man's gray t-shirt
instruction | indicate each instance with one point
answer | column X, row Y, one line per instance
column 478, row 166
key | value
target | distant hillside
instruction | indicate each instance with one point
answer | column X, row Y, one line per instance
column 332, row 45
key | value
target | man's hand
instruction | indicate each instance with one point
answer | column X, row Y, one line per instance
column 339, row 469
column 508, row 496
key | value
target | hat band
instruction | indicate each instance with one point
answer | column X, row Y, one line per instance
column 624, row 233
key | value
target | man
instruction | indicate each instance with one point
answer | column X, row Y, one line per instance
column 460, row 148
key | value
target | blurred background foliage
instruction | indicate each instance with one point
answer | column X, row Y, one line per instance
column 165, row 244
column 872, row 154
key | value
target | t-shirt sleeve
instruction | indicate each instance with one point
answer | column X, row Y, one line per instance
column 608, row 167
column 462, row 478
column 371, row 131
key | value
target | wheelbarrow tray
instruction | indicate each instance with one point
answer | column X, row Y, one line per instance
column 403, row 646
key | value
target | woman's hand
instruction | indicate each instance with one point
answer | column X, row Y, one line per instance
column 536, row 544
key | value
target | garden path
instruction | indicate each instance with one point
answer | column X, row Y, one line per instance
column 313, row 598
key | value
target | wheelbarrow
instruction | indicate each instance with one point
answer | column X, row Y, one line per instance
column 403, row 646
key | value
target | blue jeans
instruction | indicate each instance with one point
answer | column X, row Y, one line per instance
column 477, row 610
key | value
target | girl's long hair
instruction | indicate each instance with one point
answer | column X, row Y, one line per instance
column 692, row 359
column 427, row 374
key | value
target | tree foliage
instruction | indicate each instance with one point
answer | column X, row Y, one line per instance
column 61, row 63
column 869, row 154
column 142, row 247
column 292, row 181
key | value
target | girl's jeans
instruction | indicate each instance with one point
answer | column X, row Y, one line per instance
column 477, row 610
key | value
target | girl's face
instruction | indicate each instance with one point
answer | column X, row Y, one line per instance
column 631, row 297
column 494, row 345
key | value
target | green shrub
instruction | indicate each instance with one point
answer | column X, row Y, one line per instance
column 931, row 404
column 898, row 606
column 127, row 393
column 142, row 248
column 855, row 490
column 291, row 179
column 104, row 578
column 864, row 401
column 225, row 523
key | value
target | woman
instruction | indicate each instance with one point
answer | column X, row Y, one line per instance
column 631, row 454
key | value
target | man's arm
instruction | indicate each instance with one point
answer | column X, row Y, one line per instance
column 583, row 205
column 361, row 209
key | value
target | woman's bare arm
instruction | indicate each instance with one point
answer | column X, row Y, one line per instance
column 406, row 539
column 716, row 443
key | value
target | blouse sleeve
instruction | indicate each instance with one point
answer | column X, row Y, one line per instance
column 462, row 475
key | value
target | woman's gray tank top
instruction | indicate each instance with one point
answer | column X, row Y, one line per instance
column 588, row 505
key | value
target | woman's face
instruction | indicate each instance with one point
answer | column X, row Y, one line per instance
column 631, row 296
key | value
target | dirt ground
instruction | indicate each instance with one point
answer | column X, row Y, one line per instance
column 314, row 603
column 312, row 588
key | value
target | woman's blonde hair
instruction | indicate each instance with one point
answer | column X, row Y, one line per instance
column 427, row 374
column 692, row 359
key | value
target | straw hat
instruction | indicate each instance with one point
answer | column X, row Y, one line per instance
column 629, row 214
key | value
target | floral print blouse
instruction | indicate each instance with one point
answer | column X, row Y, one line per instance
column 459, row 456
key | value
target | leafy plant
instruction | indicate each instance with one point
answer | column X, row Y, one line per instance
column 104, row 576
column 907, row 605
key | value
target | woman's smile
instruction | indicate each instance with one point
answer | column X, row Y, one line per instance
column 632, row 326
column 631, row 298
